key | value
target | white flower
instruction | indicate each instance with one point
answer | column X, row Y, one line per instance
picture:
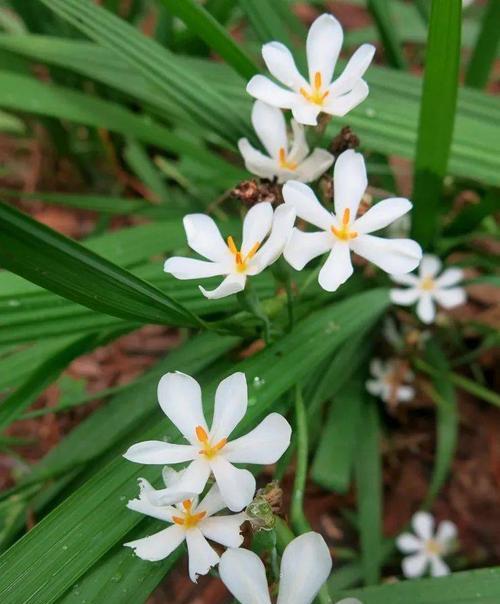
column 342, row 232
column 305, row 98
column 203, row 236
column 428, row 289
column 190, row 521
column 426, row 548
column 388, row 381
column 404, row 337
column 209, row 451
column 284, row 161
column 305, row 566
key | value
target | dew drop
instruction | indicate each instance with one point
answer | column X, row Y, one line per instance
column 258, row 382
column 116, row 578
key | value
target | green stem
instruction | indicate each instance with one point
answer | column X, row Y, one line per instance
column 484, row 55
column 299, row 521
column 250, row 301
column 461, row 382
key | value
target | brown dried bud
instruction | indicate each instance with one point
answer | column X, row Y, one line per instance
column 345, row 139
column 251, row 192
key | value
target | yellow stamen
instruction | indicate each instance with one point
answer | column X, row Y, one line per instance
column 433, row 547
column 241, row 261
column 284, row 163
column 427, row 284
column 344, row 233
column 188, row 520
column 208, row 449
column 315, row 94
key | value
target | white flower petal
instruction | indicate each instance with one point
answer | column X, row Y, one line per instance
column 337, row 268
column 212, row 502
column 439, row 568
column 264, row 89
column 314, row 166
column 430, row 266
column 256, row 225
column 158, row 546
column 232, row 284
column 265, row 444
column 159, row 452
column 203, row 236
column 303, row 247
column 305, row 112
column 237, row 487
column 231, row 402
column 426, row 309
column 414, row 566
column 405, row 393
column 300, row 148
column 283, row 220
column 179, row 396
column 144, row 506
column 423, row 525
column 349, row 182
column 354, row 70
column 341, row 105
column 270, row 126
column 195, row 476
column 280, row 62
column 243, row 573
column 306, row 204
column 450, row 277
column 449, row 298
column 374, row 387
column 404, row 297
column 191, row 268
column 446, row 532
column 201, row 554
column 406, row 279
column 305, row 566
column 349, row 601
column 323, row 45
column 382, row 214
column 256, row 162
column 394, row 256
column 377, row 368
column 408, row 543
column 224, row 529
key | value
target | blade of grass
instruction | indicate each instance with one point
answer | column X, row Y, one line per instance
column 486, row 47
column 381, row 11
column 368, row 474
column 72, row 271
column 437, row 116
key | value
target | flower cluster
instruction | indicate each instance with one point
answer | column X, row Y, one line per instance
column 210, row 456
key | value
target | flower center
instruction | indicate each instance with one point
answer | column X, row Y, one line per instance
column 208, row 449
column 315, row 94
column 433, row 548
column 285, row 163
column 427, row 284
column 344, row 233
column 241, row 261
column 188, row 520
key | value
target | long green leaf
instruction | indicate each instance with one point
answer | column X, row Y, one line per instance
column 200, row 21
column 472, row 587
column 486, row 48
column 381, row 11
column 75, row 535
column 437, row 115
column 368, row 474
column 70, row 270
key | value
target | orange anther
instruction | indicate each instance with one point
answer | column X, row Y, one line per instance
column 317, row 80
column 201, row 434
column 178, row 520
column 346, row 217
column 231, row 245
column 187, row 504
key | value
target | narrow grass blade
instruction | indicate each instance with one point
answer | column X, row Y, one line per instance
column 486, row 48
column 381, row 11
column 437, row 116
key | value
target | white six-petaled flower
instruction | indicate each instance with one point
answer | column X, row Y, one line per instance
column 388, row 381
column 342, row 232
column 285, row 160
column 253, row 257
column 210, row 451
column 426, row 548
column 305, row 98
column 427, row 288
column 305, row 566
column 191, row 521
